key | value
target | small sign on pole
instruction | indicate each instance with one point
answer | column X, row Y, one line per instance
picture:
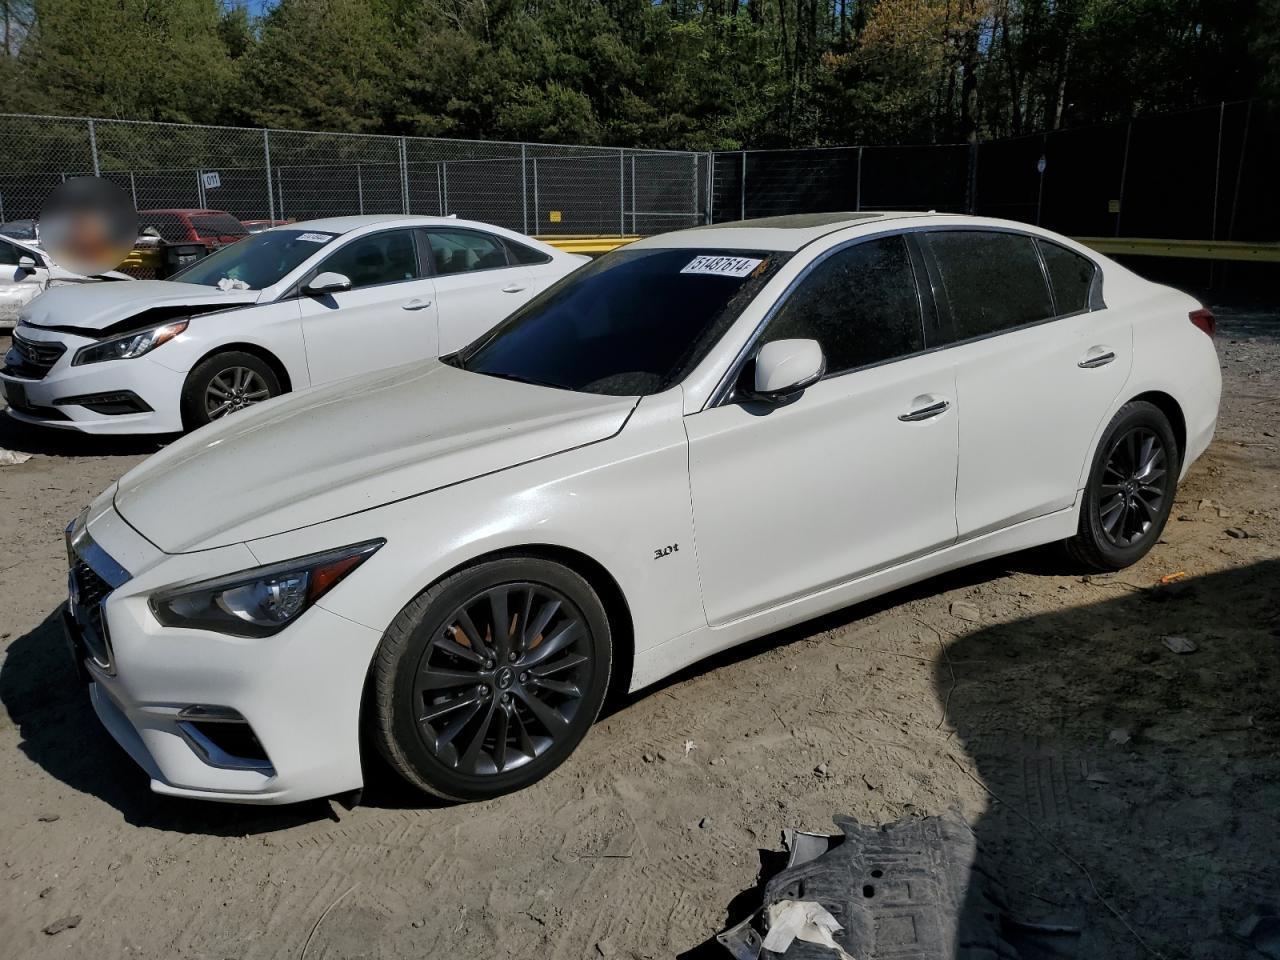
column 212, row 180
column 1041, row 164
column 1113, row 206
column 554, row 216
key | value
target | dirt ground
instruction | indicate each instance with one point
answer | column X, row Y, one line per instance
column 1139, row 789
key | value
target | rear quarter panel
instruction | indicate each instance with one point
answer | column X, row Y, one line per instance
column 1170, row 355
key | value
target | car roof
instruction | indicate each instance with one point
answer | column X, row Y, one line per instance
column 773, row 233
column 349, row 223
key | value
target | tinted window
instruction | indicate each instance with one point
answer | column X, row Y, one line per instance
column 8, row 254
column 633, row 322
column 992, row 281
column 457, row 251
column 218, row 225
column 381, row 258
column 258, row 261
column 171, row 227
column 519, row 253
column 860, row 303
column 1070, row 275
column 19, row 229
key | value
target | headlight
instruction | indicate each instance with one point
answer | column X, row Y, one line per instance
column 261, row 601
column 129, row 345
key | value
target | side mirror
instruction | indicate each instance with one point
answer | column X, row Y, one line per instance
column 149, row 237
column 27, row 263
column 327, row 282
column 784, row 368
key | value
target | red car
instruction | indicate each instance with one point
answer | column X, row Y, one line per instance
column 213, row 228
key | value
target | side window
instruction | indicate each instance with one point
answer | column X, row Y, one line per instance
column 860, row 304
column 8, row 254
column 457, row 251
column 519, row 253
column 1070, row 276
column 380, row 258
column 992, row 281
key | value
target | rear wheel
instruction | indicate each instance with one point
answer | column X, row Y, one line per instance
column 488, row 680
column 225, row 383
column 1130, row 489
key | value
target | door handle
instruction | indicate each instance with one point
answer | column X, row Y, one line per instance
column 1092, row 360
column 417, row 303
column 514, row 287
column 937, row 408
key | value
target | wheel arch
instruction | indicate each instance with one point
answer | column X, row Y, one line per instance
column 606, row 585
column 1170, row 407
column 262, row 353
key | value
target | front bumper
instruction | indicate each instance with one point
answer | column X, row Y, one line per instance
column 299, row 691
column 43, row 400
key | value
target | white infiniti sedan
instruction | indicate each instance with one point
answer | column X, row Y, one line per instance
column 698, row 439
column 26, row 271
column 288, row 308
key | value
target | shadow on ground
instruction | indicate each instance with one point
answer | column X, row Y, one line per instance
column 1120, row 774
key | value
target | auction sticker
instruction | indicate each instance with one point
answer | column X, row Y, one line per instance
column 722, row 266
column 316, row 237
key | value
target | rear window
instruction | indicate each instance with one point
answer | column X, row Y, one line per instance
column 992, row 281
column 520, row 253
column 218, row 224
column 1070, row 276
column 633, row 322
column 171, row 227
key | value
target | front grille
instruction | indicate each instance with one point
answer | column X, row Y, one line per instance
column 32, row 359
column 89, row 592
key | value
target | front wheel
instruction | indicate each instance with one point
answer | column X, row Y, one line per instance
column 225, row 383
column 488, row 680
column 1130, row 489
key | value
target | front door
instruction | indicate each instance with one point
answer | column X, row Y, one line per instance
column 388, row 317
column 855, row 475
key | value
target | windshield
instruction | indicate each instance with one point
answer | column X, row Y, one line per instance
column 257, row 261
column 631, row 323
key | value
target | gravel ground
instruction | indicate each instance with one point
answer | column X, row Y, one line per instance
column 1138, row 789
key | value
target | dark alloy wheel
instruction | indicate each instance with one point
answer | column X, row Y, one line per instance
column 1130, row 489
column 1134, row 486
column 488, row 681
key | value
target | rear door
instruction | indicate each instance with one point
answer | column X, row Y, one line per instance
column 478, row 282
column 1039, row 362
column 388, row 317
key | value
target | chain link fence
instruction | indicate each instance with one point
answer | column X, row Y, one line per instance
column 257, row 174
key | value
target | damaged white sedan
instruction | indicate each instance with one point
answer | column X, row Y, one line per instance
column 698, row 439
column 26, row 271
column 284, row 309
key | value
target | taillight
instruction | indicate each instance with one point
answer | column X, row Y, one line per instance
column 1205, row 320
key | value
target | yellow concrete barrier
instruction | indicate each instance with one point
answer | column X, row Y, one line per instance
column 1191, row 249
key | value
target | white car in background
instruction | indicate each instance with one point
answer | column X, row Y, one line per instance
column 26, row 271
column 281, row 310
column 698, row 439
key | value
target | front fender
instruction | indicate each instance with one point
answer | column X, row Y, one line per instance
column 621, row 501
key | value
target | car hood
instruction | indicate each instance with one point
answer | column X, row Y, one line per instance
column 97, row 306
column 351, row 446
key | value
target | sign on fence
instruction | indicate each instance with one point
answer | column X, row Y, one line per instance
column 211, row 180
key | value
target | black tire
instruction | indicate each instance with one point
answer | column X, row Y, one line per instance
column 1142, row 479
column 218, row 372
column 441, row 733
